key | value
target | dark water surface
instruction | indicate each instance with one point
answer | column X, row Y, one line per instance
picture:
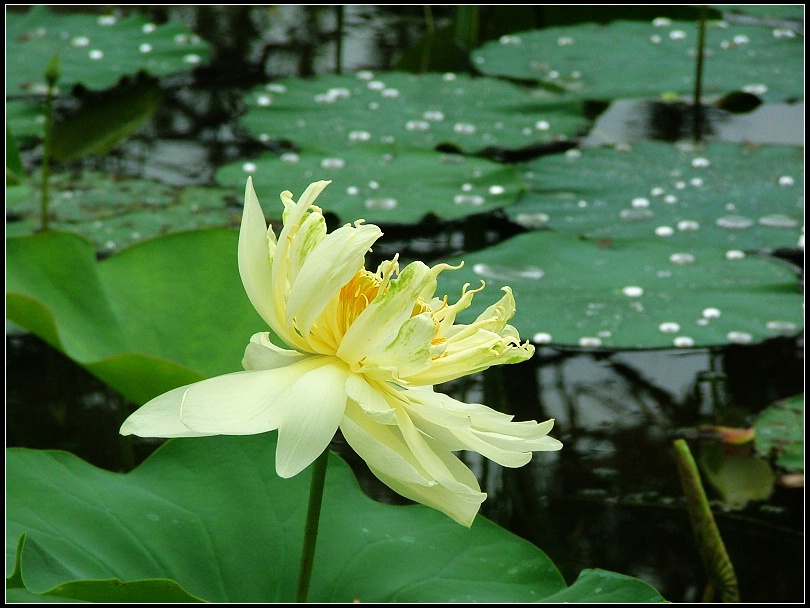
column 611, row 497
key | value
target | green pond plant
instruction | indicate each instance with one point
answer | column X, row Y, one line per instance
column 363, row 353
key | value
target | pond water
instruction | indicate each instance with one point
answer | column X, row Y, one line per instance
column 611, row 498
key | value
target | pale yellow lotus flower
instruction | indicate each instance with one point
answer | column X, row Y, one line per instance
column 365, row 350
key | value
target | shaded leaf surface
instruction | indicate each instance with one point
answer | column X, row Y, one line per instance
column 211, row 514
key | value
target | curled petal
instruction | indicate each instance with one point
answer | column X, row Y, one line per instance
column 261, row 353
column 391, row 459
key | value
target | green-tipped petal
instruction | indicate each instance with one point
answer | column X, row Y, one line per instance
column 378, row 325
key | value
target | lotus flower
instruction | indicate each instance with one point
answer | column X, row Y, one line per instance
column 362, row 351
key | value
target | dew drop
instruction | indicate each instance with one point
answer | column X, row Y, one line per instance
column 264, row 100
column 542, row 125
column 353, row 190
column 635, row 215
column 783, row 33
column 381, row 203
column 688, row 225
column 434, row 115
column 249, row 167
column 786, row 180
column 417, row 125
column 96, row 54
column 662, row 22
column 657, row 191
column 359, row 136
column 290, row 157
column 700, row 162
column 696, row 181
column 670, row 199
column 145, row 48
column 633, row 291
column 734, row 222
column 192, row 59
column 473, row 200
column 655, row 39
column 508, row 39
column 274, row 87
column 80, row 41
column 778, row 220
column 735, row 254
column 148, row 28
column 541, row 338
column 590, row 341
column 782, row 327
column 664, row 231
column 532, row 220
column 364, row 75
column 683, row 342
column 640, row 203
column 390, row 93
column 467, row 187
column 565, row 41
column 604, row 333
column 669, row 327
column 499, row 271
column 107, row 20
column 682, row 258
column 376, row 85
column 711, row 313
column 756, row 89
column 449, row 77
column 464, row 128
column 573, row 153
column 741, row 39
column 739, row 337
column 332, row 163
column 677, row 35
column 374, row 185
column 496, row 190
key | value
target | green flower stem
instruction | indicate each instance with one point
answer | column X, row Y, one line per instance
column 311, row 527
column 710, row 544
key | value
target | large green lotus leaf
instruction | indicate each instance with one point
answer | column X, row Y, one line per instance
column 94, row 50
column 164, row 313
column 780, row 433
column 732, row 195
column 116, row 213
column 625, row 294
column 212, row 515
column 631, row 59
column 409, row 110
column 380, row 185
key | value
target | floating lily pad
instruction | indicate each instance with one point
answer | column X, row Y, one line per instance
column 737, row 478
column 382, row 185
column 780, row 433
column 164, row 313
column 210, row 515
column 94, row 50
column 116, row 213
column 402, row 110
column 631, row 59
column 632, row 294
column 740, row 197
